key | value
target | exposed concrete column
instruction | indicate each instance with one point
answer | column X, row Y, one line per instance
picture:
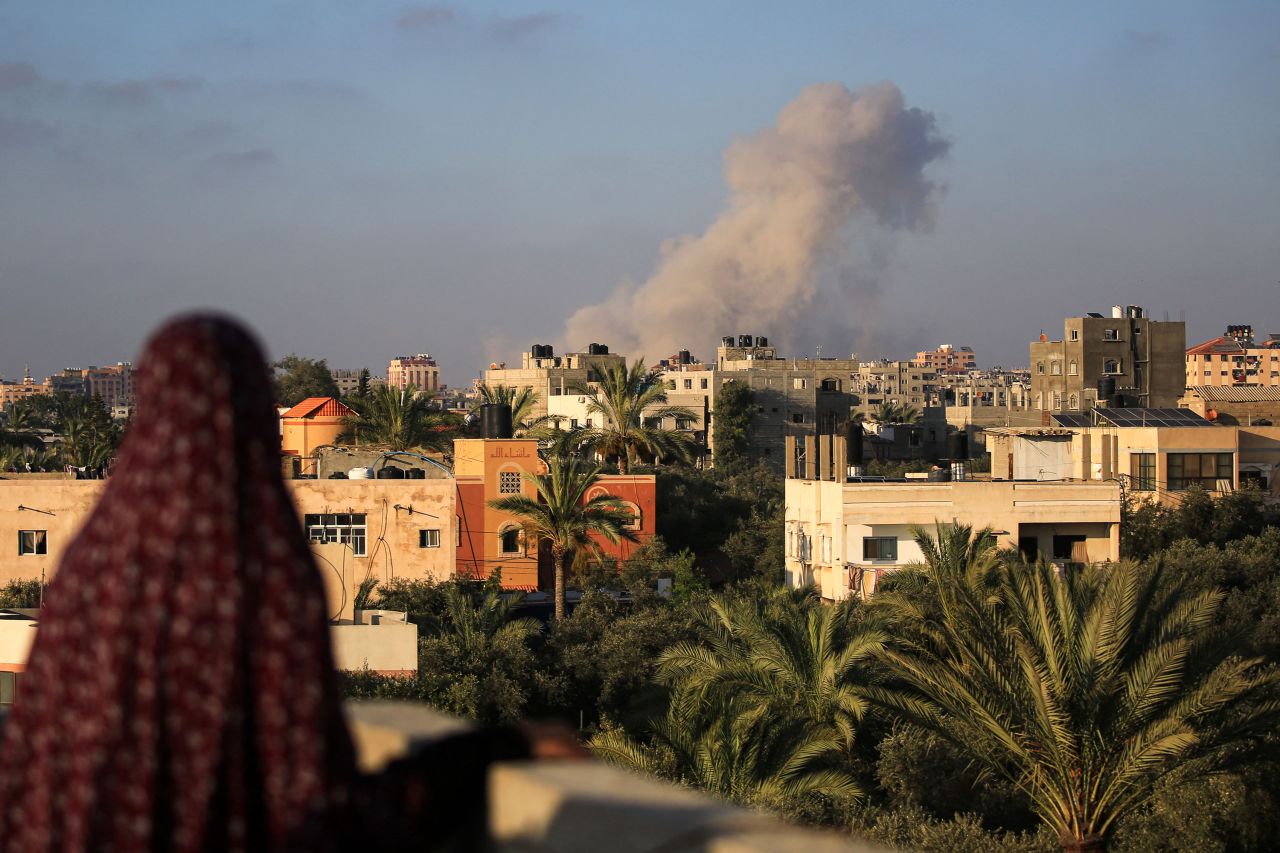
column 826, row 460
column 790, row 451
column 810, row 458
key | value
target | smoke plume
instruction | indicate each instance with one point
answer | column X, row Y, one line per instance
column 834, row 156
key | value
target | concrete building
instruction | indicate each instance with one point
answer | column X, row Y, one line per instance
column 112, row 384
column 348, row 381
column 1154, row 453
column 883, row 381
column 420, row 371
column 793, row 396
column 842, row 536
column 13, row 392
column 314, row 422
column 490, row 541
column 1235, row 359
column 1234, row 404
column 1142, row 359
column 947, row 359
column 550, row 375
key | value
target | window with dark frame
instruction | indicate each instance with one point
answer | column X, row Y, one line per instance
column 33, row 543
column 429, row 538
column 880, row 548
column 1142, row 468
column 1199, row 469
column 349, row 528
column 510, row 540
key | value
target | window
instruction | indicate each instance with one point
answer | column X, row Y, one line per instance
column 1039, row 367
column 1073, row 402
column 1111, row 334
column 1071, row 548
column 831, row 385
column 702, row 383
column 671, row 385
column 1111, row 365
column 684, row 423
column 429, row 538
column 509, row 483
column 880, row 548
column 797, row 418
column 1056, row 368
column 1073, row 369
column 1199, row 469
column 1057, row 400
column 688, row 384
column 573, row 423
column 33, row 543
column 1142, row 470
column 1075, row 334
column 800, row 384
column 510, row 540
column 347, row 528
column 8, row 688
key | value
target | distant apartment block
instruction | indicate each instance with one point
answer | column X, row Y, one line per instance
column 947, row 359
column 13, row 392
column 1125, row 359
column 1234, row 404
column 348, row 381
column 903, row 383
column 550, row 375
column 420, row 371
column 793, row 396
column 1234, row 359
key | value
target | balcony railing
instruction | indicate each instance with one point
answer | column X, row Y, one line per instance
column 583, row 806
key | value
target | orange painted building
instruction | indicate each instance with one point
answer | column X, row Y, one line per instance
column 489, row 540
column 314, row 422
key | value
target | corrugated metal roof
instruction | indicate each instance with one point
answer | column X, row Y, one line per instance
column 1236, row 393
column 320, row 407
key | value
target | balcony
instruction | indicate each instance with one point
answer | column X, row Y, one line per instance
column 583, row 806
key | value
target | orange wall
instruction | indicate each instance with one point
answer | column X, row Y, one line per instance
column 479, row 465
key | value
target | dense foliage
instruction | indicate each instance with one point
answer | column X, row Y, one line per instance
column 297, row 378
column 82, row 432
column 1155, row 674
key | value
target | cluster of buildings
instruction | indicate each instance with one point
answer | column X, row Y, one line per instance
column 112, row 384
column 1117, row 409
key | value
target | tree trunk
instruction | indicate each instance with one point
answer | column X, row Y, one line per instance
column 1084, row 844
column 560, row 556
column 622, row 461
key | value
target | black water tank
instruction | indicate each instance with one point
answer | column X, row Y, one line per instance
column 389, row 472
column 761, row 341
column 604, row 349
column 744, row 340
column 495, row 420
column 685, row 357
column 338, row 475
column 415, row 474
column 852, row 443
column 1106, row 390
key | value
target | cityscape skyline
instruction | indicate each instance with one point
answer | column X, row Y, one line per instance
column 361, row 183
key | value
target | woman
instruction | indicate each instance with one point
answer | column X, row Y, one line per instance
column 181, row 693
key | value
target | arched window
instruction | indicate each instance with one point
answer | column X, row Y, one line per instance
column 1072, row 368
column 1056, row 368
column 510, row 538
column 1039, row 404
column 1111, row 366
column 1074, row 401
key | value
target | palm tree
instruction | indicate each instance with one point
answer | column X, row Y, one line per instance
column 400, row 420
column 521, row 401
column 626, row 398
column 1083, row 690
column 766, row 707
column 890, row 412
column 478, row 622
column 563, row 517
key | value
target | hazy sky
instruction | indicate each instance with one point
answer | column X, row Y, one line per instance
column 361, row 179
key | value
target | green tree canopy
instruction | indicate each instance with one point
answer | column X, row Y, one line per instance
column 1083, row 690
column 400, row 420
column 297, row 378
column 731, row 433
column 629, row 400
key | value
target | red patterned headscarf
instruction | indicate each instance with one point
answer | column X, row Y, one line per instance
column 181, row 694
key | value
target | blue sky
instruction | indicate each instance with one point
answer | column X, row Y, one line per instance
column 365, row 179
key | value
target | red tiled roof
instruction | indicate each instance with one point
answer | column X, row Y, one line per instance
column 319, row 407
column 1217, row 345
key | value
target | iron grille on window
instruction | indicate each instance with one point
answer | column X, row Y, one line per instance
column 509, row 483
column 344, row 527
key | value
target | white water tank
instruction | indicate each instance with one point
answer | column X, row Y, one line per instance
column 359, row 474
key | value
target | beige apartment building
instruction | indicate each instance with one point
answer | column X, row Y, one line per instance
column 947, row 359
column 1128, row 356
column 843, row 536
column 1234, row 359
column 1234, row 404
column 902, row 382
column 1154, row 453
column 420, row 371
column 13, row 392
column 391, row 528
column 550, row 375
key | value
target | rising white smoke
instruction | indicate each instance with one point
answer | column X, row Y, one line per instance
column 834, row 155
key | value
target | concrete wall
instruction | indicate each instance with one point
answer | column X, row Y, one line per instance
column 16, row 635
column 826, row 522
column 388, row 648
column 392, row 534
